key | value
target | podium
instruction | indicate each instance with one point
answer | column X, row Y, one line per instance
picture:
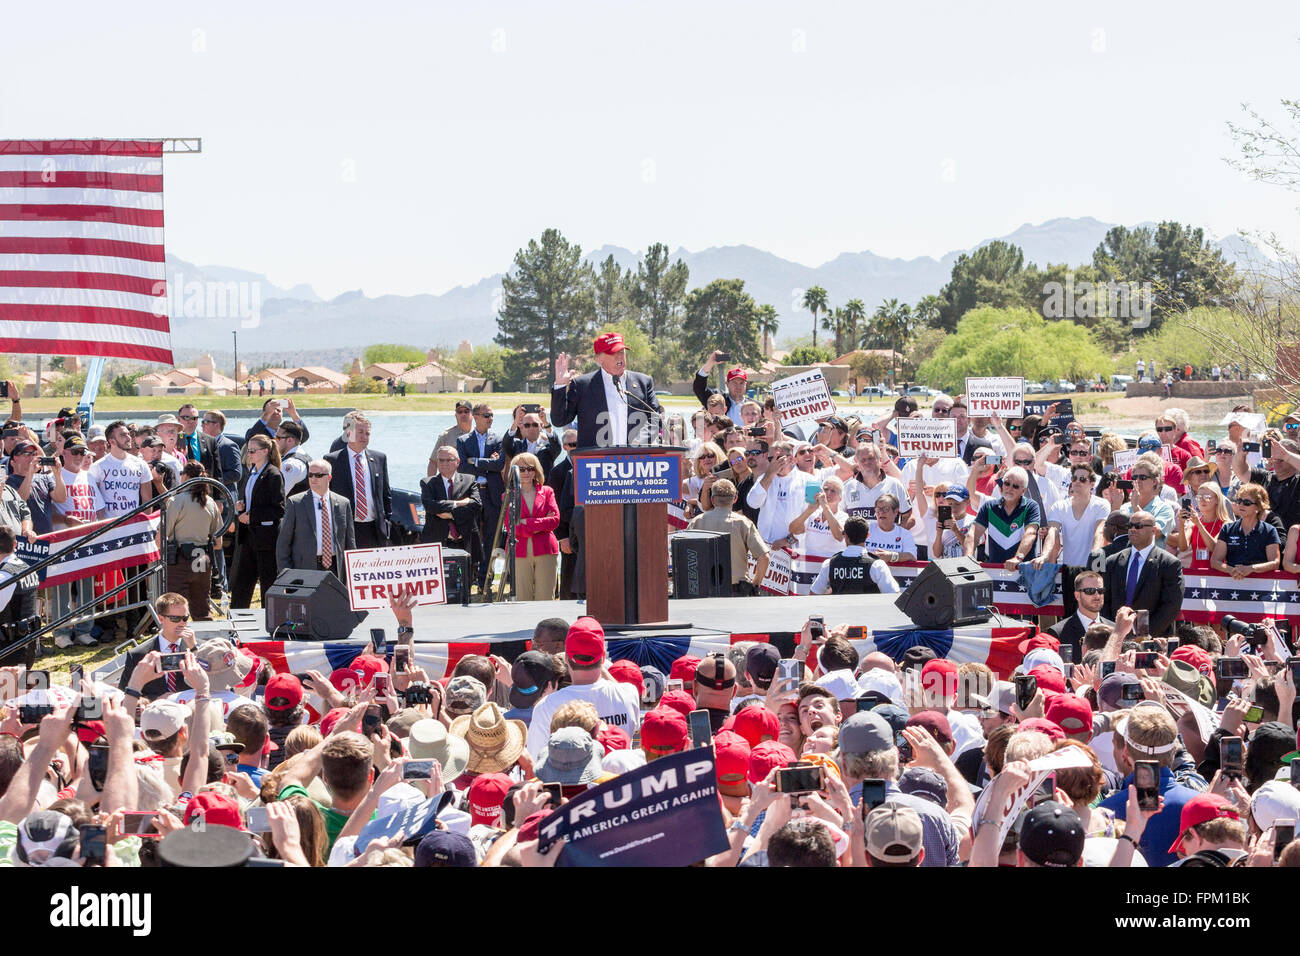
column 625, row 490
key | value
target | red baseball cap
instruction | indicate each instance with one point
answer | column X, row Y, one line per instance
column 330, row 719
column 608, row 344
column 1041, row 639
column 664, row 731
column 628, row 672
column 214, row 808
column 613, row 738
column 683, row 669
column 1072, row 714
column 91, row 731
column 756, row 724
column 1195, row 656
column 368, row 665
column 768, row 754
column 585, row 644
column 283, row 692
column 486, row 795
column 1049, row 679
column 737, row 372
column 933, row 721
column 1043, row 726
column 732, row 753
column 528, row 829
column 1202, row 808
column 939, row 672
column 678, row 700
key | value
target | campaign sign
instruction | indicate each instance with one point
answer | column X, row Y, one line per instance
column 376, row 573
column 777, row 578
column 414, row 822
column 663, row 814
column 996, row 396
column 626, row 479
column 802, row 398
column 1067, row 759
column 1124, row 460
column 932, row 437
column 1064, row 407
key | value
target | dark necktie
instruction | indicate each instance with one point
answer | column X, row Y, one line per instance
column 1130, row 587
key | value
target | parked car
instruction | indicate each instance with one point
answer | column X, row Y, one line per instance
column 1119, row 382
column 877, row 391
column 836, row 393
column 1063, row 385
column 1034, row 388
column 921, row 390
column 658, row 391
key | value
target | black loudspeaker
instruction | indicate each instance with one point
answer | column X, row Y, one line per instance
column 701, row 564
column 311, row 606
column 947, row 593
column 455, row 574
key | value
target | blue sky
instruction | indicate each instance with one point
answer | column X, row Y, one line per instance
column 403, row 147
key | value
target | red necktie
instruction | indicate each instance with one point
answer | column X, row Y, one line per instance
column 326, row 537
column 359, row 489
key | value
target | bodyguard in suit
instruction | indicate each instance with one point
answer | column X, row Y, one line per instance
column 482, row 456
column 228, row 472
column 303, row 543
column 194, row 442
column 1089, row 595
column 371, row 497
column 611, row 405
column 175, row 637
column 260, row 504
column 1144, row 577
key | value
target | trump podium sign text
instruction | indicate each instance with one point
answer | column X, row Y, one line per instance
column 996, row 396
column 376, row 573
column 802, row 398
column 626, row 479
column 932, row 437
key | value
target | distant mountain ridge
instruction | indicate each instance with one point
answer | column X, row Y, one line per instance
column 297, row 318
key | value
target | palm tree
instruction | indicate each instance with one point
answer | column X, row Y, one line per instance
column 835, row 322
column 926, row 312
column 768, row 324
column 814, row 300
column 894, row 323
column 854, row 312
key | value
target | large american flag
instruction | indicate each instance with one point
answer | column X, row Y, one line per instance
column 82, row 269
column 130, row 544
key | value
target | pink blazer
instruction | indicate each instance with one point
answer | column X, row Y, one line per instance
column 538, row 525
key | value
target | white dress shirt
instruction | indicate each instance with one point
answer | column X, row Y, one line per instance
column 617, row 406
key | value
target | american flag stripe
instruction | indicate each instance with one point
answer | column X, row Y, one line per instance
column 82, row 263
column 130, row 544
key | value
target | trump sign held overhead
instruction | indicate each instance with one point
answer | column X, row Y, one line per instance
column 802, row 398
column 932, row 437
column 996, row 396
column 626, row 479
column 376, row 573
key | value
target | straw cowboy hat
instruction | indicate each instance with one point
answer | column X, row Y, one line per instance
column 494, row 742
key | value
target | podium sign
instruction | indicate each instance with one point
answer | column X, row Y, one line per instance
column 626, row 479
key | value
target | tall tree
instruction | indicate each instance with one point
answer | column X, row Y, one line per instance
column 893, row 322
column 854, row 313
column 613, row 292
column 835, row 322
column 547, row 303
column 769, row 323
column 979, row 277
column 722, row 315
column 658, row 293
column 814, row 300
column 927, row 311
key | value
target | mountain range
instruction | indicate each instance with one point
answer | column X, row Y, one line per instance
column 295, row 323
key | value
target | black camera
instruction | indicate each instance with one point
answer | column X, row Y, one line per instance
column 418, row 693
column 1255, row 634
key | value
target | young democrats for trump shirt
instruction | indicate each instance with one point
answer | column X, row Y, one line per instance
column 119, row 482
column 617, row 704
column 83, row 501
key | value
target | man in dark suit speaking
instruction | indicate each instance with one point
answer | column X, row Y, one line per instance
column 1144, row 577
column 611, row 405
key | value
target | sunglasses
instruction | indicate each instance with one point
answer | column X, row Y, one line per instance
column 1250, row 502
column 1138, row 527
column 1222, row 451
column 571, row 444
column 326, row 474
column 1013, row 428
column 1092, row 592
column 1080, row 453
column 77, row 452
column 708, row 456
column 1013, row 486
column 527, row 468
column 941, row 411
column 484, row 415
column 176, row 618
column 532, row 426
column 189, row 418
column 1164, row 428
column 211, row 421
column 1137, row 477
column 1022, row 463
column 1080, row 478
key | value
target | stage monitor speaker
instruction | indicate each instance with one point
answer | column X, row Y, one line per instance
column 455, row 573
column 701, row 564
column 311, row 606
column 949, row 592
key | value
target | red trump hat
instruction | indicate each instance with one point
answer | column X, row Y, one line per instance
column 737, row 372
column 608, row 344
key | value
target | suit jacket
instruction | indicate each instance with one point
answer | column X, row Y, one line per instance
column 583, row 401
column 1070, row 631
column 265, row 511
column 537, row 524
column 1159, row 588
column 207, row 451
column 158, row 686
column 436, row 497
column 973, row 442
column 472, row 463
column 380, row 498
column 228, row 462
column 259, row 428
column 546, row 453
column 561, row 482
column 296, row 545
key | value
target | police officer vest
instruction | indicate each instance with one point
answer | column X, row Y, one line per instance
column 851, row 575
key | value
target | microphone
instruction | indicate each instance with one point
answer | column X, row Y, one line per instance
column 627, row 398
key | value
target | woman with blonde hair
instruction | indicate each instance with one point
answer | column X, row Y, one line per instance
column 1198, row 529
column 536, row 547
column 260, row 503
column 706, row 458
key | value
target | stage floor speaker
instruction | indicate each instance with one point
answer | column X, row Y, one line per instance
column 309, row 605
column 949, row 592
column 701, row 564
column 455, row 574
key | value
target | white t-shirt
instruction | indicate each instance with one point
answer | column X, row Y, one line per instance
column 617, row 704
column 952, row 545
column 1076, row 535
column 228, row 700
column 860, row 501
column 818, row 542
column 119, row 482
column 778, row 505
column 949, row 470
column 898, row 540
column 84, row 500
